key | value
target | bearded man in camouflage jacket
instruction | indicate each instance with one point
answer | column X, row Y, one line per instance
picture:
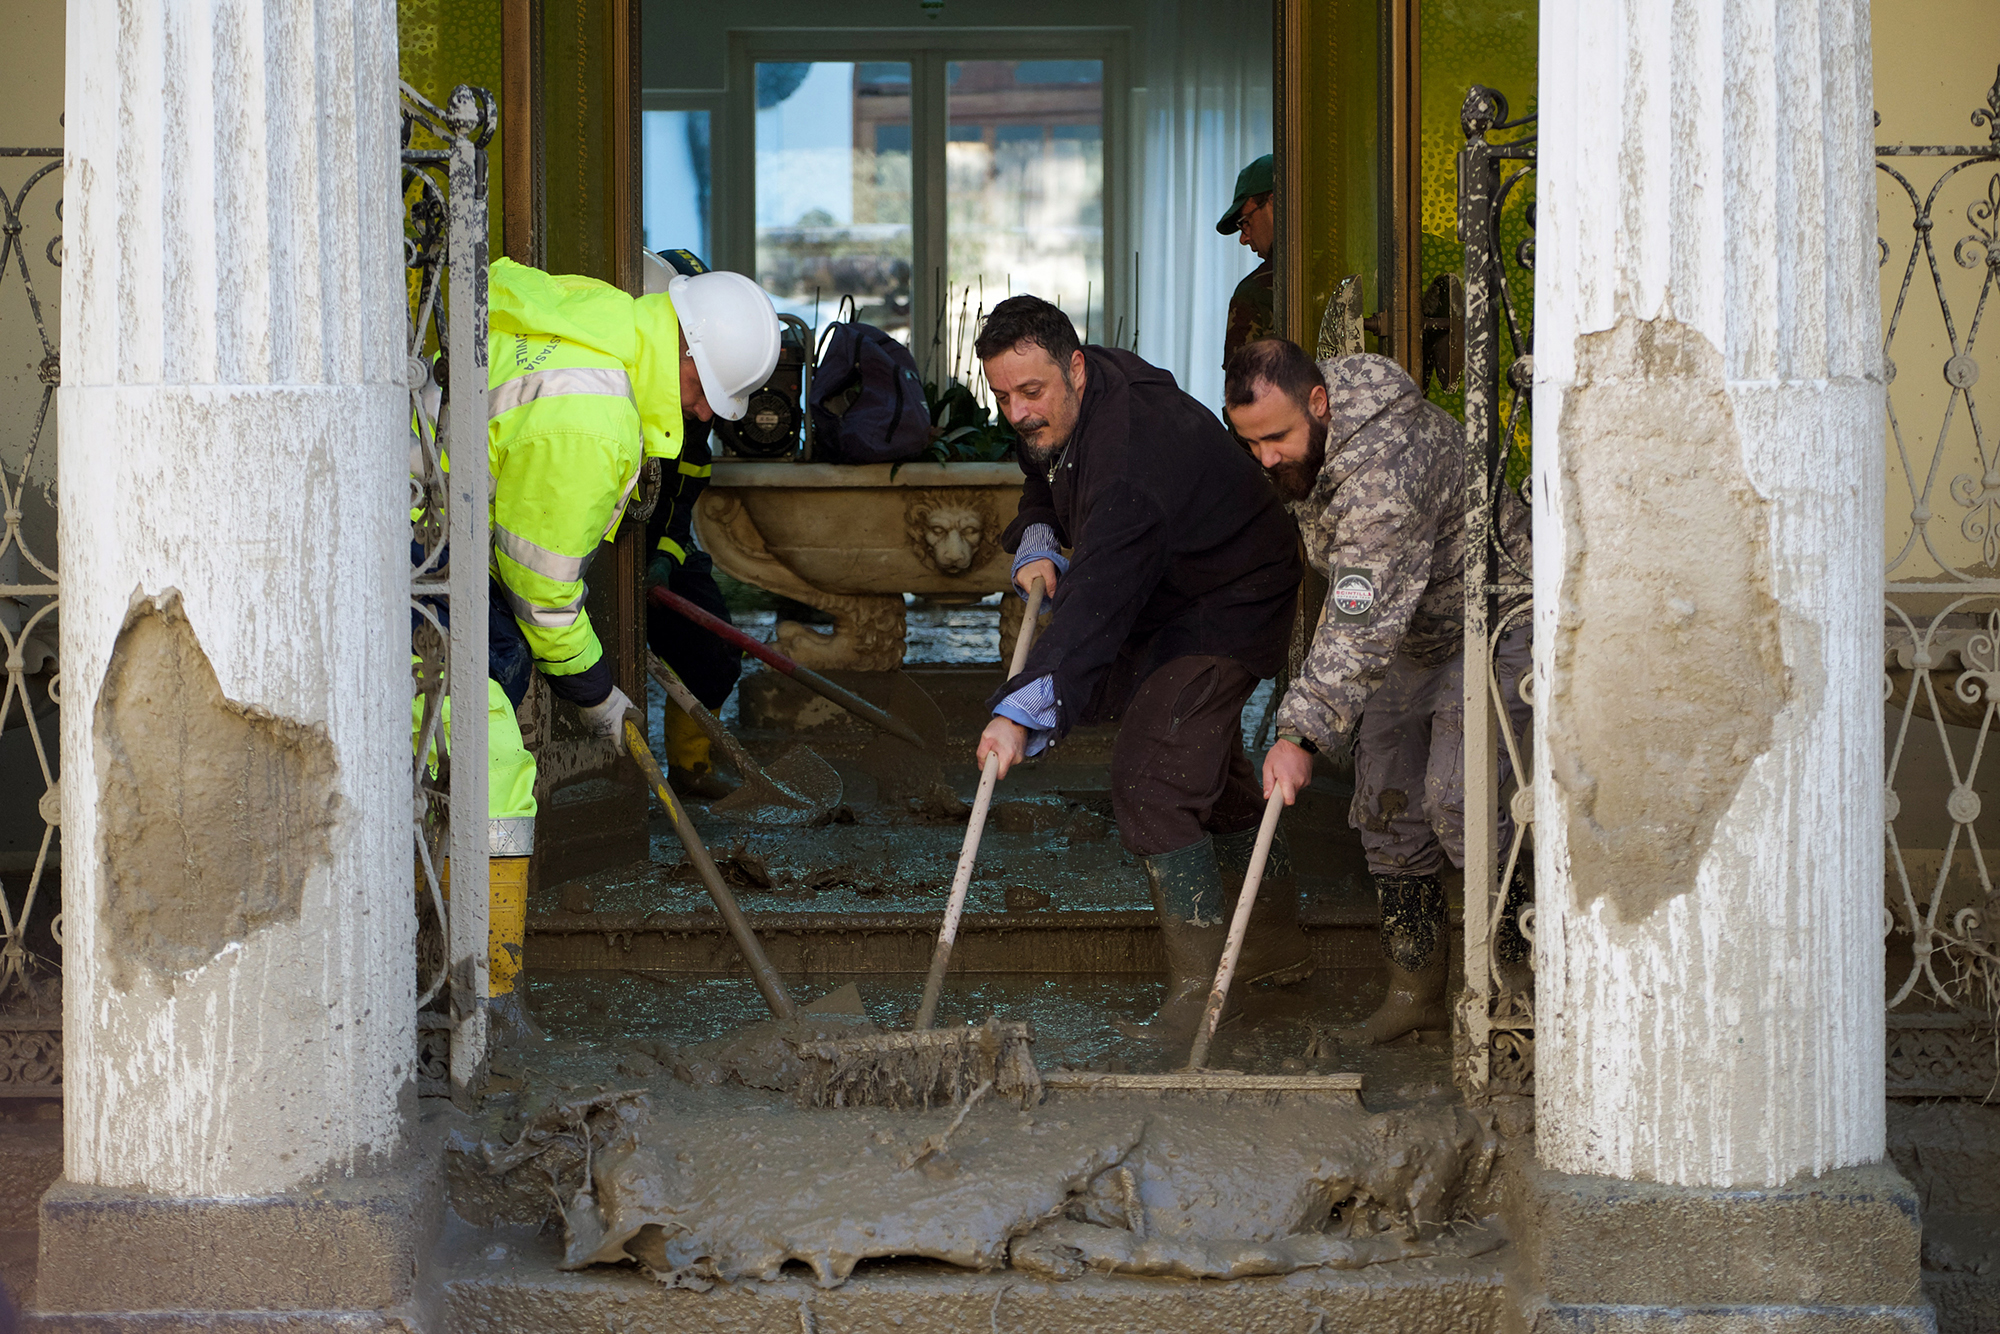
column 1375, row 477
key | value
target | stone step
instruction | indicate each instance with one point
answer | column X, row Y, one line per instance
column 1045, row 943
column 513, row 1287
column 223, row 1322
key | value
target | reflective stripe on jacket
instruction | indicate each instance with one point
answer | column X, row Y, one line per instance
column 583, row 385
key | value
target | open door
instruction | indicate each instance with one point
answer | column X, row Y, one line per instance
column 1368, row 130
column 1348, row 130
column 568, row 201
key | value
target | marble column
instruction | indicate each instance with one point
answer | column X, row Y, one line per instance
column 237, row 911
column 1708, row 482
column 1708, row 551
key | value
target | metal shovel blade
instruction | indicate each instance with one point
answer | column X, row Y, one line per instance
column 902, row 771
column 798, row 788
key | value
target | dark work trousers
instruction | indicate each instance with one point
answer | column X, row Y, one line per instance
column 1178, row 769
column 708, row 666
column 1409, row 760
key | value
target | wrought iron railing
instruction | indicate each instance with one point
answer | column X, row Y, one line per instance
column 1942, row 586
column 1494, row 1037
column 445, row 251
column 1942, row 595
column 30, row 595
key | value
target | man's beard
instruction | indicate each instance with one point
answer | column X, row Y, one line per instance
column 1294, row 480
column 1042, row 455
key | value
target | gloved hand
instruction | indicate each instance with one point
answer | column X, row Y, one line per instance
column 661, row 571
column 607, row 718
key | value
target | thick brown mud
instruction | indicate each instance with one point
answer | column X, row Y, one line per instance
column 660, row 1128
column 1192, row 1187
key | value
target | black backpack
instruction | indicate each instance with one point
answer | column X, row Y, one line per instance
column 867, row 402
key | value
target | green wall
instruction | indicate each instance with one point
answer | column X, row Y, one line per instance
column 443, row 43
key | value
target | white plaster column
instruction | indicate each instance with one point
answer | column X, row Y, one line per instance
column 237, row 905
column 1708, row 526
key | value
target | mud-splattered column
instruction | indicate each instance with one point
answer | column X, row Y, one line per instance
column 237, row 911
column 1708, row 777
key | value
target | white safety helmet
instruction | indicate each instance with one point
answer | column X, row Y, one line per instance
column 732, row 333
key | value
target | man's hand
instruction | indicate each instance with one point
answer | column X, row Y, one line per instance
column 1287, row 769
column 1007, row 739
column 607, row 718
column 1025, row 577
column 661, row 570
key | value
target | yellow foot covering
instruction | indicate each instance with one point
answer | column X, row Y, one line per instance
column 506, row 922
column 506, row 918
column 687, row 744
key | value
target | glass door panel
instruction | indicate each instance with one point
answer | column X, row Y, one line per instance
column 833, row 188
column 1024, row 165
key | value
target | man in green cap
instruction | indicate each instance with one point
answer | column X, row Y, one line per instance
column 1252, row 313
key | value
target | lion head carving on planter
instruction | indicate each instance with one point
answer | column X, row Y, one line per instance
column 950, row 531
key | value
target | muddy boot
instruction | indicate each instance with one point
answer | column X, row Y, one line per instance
column 690, row 770
column 506, row 940
column 1187, row 896
column 508, row 1022
column 1274, row 949
column 1413, row 941
column 1512, row 952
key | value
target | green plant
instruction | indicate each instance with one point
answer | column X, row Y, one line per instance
column 962, row 431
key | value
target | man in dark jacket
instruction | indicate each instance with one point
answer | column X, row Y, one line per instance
column 706, row 665
column 1178, row 598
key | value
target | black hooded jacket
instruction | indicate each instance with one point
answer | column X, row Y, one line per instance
column 1180, row 546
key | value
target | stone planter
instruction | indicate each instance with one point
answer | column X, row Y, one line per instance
column 851, row 540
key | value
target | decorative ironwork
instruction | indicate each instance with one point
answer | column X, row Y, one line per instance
column 1493, row 1038
column 445, row 252
column 433, row 1055
column 30, row 594
column 1941, row 1055
column 1942, row 584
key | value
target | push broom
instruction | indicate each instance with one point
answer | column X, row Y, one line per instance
column 929, row 1064
column 1196, row 1078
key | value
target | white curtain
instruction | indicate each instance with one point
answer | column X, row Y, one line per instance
column 1203, row 113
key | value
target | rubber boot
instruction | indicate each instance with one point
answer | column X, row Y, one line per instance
column 1413, row 942
column 506, row 941
column 1512, row 952
column 1275, row 950
column 690, row 770
column 1187, row 898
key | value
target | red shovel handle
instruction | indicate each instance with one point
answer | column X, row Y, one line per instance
column 805, row 676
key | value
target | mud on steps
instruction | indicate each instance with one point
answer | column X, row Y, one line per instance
column 699, row 1193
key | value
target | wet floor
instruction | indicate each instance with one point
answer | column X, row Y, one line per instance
column 1050, row 851
column 1076, row 1020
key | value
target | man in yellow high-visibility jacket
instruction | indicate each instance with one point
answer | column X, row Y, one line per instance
column 585, row 383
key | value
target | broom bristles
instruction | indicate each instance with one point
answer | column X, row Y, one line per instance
column 938, row 1065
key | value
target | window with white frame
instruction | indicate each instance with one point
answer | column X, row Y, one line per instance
column 926, row 183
